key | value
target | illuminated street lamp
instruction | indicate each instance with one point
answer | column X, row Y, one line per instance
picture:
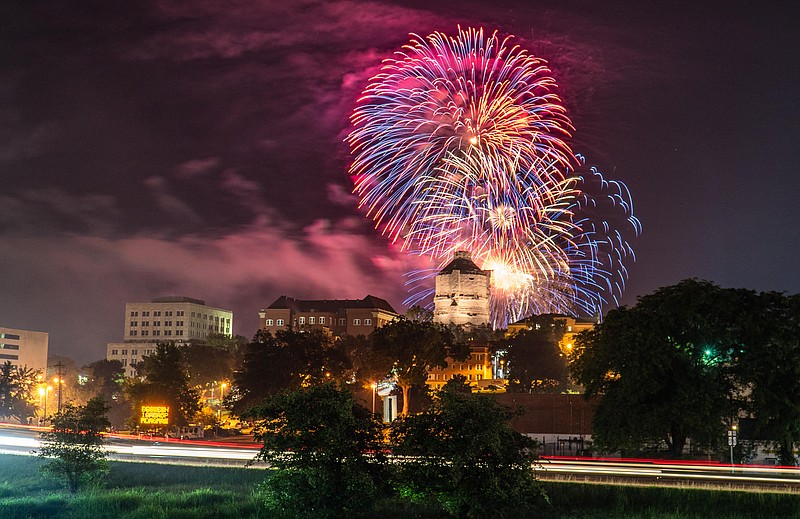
column 732, row 440
column 43, row 396
column 221, row 394
column 374, row 387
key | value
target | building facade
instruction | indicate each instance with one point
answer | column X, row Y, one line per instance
column 336, row 316
column 24, row 348
column 172, row 318
column 571, row 325
column 462, row 294
column 476, row 369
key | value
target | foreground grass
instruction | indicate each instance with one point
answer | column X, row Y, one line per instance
column 140, row 490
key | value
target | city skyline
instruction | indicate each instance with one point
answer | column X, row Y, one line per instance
column 196, row 149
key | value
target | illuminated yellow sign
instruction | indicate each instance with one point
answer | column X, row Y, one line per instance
column 155, row 415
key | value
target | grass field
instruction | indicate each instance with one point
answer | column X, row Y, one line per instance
column 139, row 490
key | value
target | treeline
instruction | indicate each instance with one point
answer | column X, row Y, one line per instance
column 688, row 362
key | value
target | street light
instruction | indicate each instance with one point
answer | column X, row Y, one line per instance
column 42, row 393
column 221, row 394
column 374, row 387
column 732, row 442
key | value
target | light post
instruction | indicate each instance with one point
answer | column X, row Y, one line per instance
column 221, row 394
column 732, row 442
column 374, row 387
column 42, row 393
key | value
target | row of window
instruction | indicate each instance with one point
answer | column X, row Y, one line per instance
column 8, row 356
column 470, row 367
column 180, row 313
column 9, row 336
column 157, row 313
column 9, row 346
column 321, row 320
column 435, row 376
column 156, row 323
column 133, row 352
column 144, row 333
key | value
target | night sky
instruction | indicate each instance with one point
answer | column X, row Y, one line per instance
column 196, row 148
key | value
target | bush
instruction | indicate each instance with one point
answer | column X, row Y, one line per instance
column 464, row 455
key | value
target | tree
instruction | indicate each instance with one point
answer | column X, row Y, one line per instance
column 662, row 369
column 768, row 369
column 464, row 454
column 536, row 364
column 74, row 446
column 17, row 391
column 407, row 349
column 105, row 378
column 164, row 381
column 287, row 360
column 326, row 446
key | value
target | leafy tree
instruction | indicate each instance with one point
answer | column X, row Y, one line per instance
column 464, row 454
column 18, row 396
column 457, row 384
column 105, row 378
column 420, row 314
column 74, row 446
column 662, row 368
column 768, row 368
column 207, row 364
column 327, row 448
column 287, row 360
column 165, row 381
column 536, row 364
column 406, row 349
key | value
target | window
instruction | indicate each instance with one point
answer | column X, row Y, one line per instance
column 167, row 332
column 157, row 313
column 268, row 322
column 368, row 322
column 133, row 323
column 321, row 320
column 124, row 362
column 178, row 332
column 178, row 323
column 114, row 352
column 134, row 352
column 357, row 322
column 145, row 332
column 133, row 314
column 279, row 322
column 168, row 313
column 145, row 314
column 133, row 332
column 156, row 332
column 312, row 320
column 179, row 313
column 156, row 323
column 145, row 323
column 302, row 320
column 124, row 352
column 341, row 322
column 167, row 323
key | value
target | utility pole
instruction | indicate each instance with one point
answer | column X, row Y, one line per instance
column 60, row 379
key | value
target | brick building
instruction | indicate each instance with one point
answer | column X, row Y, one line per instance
column 337, row 316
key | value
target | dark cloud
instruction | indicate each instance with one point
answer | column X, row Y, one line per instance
column 160, row 147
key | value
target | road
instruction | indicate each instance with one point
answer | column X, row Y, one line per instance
column 24, row 440
column 670, row 473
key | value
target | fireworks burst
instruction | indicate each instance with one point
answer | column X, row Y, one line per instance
column 461, row 143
